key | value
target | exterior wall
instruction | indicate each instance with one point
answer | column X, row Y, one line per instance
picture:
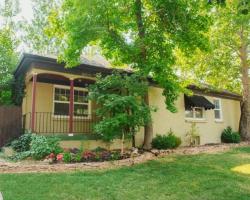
column 92, row 144
column 209, row 129
column 163, row 120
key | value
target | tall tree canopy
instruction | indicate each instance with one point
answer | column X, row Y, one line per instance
column 140, row 33
column 8, row 45
column 33, row 32
column 227, row 64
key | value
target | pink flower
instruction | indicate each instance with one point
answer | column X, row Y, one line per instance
column 59, row 157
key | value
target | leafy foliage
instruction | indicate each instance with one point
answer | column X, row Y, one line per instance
column 121, row 109
column 169, row 141
column 18, row 91
column 228, row 136
column 36, row 146
column 34, row 35
column 42, row 146
column 141, row 34
column 8, row 59
column 228, row 34
column 67, row 158
column 22, row 143
column 8, row 45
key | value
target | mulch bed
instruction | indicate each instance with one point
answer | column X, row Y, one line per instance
column 42, row 167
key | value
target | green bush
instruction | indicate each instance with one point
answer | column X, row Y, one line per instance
column 42, row 146
column 20, row 156
column 67, row 158
column 169, row 141
column 229, row 136
column 22, row 143
column 39, row 147
column 54, row 145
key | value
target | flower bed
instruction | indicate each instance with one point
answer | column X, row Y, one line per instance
column 75, row 155
column 38, row 147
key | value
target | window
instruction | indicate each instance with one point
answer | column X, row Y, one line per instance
column 217, row 109
column 62, row 98
column 195, row 113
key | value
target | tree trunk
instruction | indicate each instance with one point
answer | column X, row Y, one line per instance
column 244, row 127
column 244, row 120
column 122, row 144
column 148, row 129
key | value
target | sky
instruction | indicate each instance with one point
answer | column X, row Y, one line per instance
column 26, row 9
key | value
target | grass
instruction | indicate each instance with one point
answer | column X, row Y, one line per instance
column 192, row 177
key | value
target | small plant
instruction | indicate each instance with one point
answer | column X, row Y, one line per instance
column 169, row 141
column 22, row 143
column 229, row 136
column 99, row 149
column 88, row 156
column 39, row 147
column 67, row 158
column 193, row 135
column 115, row 155
column 54, row 145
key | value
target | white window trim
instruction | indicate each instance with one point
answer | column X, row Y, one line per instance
column 221, row 113
column 194, row 118
column 67, row 116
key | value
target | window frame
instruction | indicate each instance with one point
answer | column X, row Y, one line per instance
column 220, row 110
column 194, row 118
column 67, row 102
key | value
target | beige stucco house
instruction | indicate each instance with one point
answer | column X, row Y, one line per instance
column 55, row 103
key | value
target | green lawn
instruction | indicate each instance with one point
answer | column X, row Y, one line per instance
column 197, row 177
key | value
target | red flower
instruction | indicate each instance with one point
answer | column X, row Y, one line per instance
column 88, row 155
column 52, row 156
column 59, row 157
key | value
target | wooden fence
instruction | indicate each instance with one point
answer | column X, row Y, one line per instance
column 10, row 123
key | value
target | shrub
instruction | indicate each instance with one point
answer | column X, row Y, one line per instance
column 67, row 158
column 22, row 143
column 229, row 136
column 42, row 146
column 169, row 141
column 39, row 147
column 54, row 145
column 20, row 156
column 88, row 156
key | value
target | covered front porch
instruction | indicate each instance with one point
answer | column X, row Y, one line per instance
column 57, row 103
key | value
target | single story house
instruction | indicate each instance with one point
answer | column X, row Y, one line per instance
column 55, row 103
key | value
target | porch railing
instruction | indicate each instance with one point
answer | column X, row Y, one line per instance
column 47, row 122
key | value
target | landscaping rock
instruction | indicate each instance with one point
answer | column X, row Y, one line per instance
column 38, row 166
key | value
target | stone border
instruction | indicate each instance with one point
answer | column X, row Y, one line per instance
column 41, row 167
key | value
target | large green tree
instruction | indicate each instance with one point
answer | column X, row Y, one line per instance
column 33, row 32
column 8, row 44
column 226, row 65
column 140, row 33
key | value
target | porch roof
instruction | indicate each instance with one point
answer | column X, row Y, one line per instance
column 51, row 64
